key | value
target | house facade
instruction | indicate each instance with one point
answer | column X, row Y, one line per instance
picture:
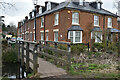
column 69, row 21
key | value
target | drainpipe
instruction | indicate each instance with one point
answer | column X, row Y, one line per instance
column 44, row 27
column 104, row 32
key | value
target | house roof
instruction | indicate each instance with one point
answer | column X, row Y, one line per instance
column 71, row 5
column 96, row 29
column 112, row 30
column 75, row 28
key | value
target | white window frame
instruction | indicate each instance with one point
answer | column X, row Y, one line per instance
column 42, row 22
column 40, row 10
column 81, row 2
column 56, row 22
column 42, row 35
column 56, row 39
column 98, row 5
column 96, row 20
column 32, row 14
column 49, row 6
column 75, row 18
column 34, row 36
column 74, row 36
column 109, row 22
column 34, row 24
column 93, row 36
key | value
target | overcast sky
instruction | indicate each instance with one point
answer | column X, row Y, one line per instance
column 23, row 7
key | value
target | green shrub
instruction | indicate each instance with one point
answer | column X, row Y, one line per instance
column 50, row 52
column 4, row 44
column 4, row 78
column 62, row 46
column 10, row 56
column 99, row 46
column 77, row 49
column 112, row 46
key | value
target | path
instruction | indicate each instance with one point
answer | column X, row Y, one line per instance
column 47, row 69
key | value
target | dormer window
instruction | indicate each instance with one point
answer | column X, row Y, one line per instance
column 98, row 6
column 32, row 14
column 81, row 2
column 49, row 6
column 40, row 10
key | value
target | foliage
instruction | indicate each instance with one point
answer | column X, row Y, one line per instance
column 4, row 44
column 77, row 49
column 9, row 55
column 82, row 68
column 50, row 52
column 4, row 78
column 112, row 46
column 30, row 75
column 99, row 46
column 62, row 46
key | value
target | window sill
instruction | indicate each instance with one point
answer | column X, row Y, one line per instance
column 76, row 42
column 76, row 24
column 96, row 25
column 42, row 27
column 109, row 27
column 55, row 25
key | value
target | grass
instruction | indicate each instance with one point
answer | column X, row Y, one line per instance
column 91, row 70
column 30, row 75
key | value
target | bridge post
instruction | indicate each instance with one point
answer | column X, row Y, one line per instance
column 35, row 60
column 22, row 55
column 69, row 57
column 27, row 57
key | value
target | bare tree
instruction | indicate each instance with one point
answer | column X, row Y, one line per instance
column 117, row 5
column 6, row 5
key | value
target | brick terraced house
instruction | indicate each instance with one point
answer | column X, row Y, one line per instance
column 68, row 21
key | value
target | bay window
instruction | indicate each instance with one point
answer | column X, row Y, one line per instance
column 75, row 36
column 97, row 36
column 75, row 18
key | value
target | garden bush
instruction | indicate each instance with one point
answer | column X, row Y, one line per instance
column 77, row 49
column 9, row 54
column 99, row 46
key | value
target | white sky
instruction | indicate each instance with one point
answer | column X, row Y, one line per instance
column 23, row 7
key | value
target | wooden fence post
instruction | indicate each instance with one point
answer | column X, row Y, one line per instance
column 19, row 51
column 35, row 60
column 88, row 46
column 22, row 56
column 69, row 57
column 27, row 57
column 40, row 45
column 55, row 45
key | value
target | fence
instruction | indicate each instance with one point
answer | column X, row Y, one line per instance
column 29, row 52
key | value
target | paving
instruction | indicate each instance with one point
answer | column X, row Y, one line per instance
column 47, row 69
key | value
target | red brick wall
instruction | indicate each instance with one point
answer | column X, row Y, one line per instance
column 65, row 21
